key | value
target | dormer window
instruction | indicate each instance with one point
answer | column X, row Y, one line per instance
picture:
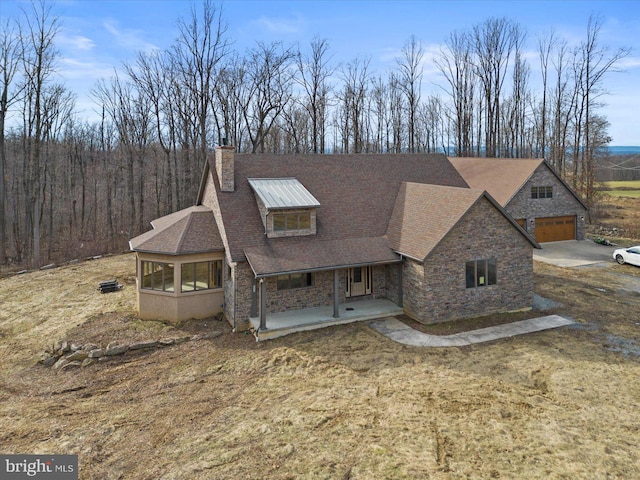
column 287, row 208
column 291, row 221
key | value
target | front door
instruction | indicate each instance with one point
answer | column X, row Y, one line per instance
column 358, row 281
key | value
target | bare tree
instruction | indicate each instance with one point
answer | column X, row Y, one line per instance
column 10, row 58
column 595, row 61
column 493, row 42
column 266, row 91
column 355, row 77
column 410, row 81
column 315, row 70
column 39, row 65
column 198, row 52
column 456, row 64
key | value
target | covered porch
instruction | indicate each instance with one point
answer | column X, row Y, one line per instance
column 284, row 323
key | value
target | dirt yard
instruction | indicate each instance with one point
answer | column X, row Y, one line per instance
column 338, row 403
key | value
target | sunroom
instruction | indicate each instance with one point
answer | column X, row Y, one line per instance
column 179, row 267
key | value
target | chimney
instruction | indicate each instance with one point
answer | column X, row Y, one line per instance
column 225, row 167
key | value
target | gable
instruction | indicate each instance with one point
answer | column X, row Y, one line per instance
column 424, row 214
column 502, row 178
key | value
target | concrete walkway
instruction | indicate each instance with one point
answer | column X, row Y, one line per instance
column 402, row 333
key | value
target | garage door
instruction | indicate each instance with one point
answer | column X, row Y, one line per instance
column 554, row 229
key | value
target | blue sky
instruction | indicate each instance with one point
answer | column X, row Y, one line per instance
column 97, row 36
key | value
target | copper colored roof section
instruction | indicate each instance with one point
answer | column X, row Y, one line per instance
column 192, row 230
column 501, row 177
column 357, row 193
column 314, row 255
column 282, row 193
column 424, row 214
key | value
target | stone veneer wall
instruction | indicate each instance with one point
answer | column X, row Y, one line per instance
column 229, row 274
column 225, row 167
column 562, row 204
column 392, row 279
column 436, row 290
column 320, row 294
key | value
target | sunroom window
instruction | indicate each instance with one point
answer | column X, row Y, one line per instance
column 201, row 275
column 157, row 276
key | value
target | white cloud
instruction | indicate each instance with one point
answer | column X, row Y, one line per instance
column 129, row 38
column 76, row 42
column 280, row 25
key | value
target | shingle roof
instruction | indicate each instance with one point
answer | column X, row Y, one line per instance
column 501, row 177
column 424, row 214
column 192, row 230
column 282, row 193
column 313, row 254
column 357, row 193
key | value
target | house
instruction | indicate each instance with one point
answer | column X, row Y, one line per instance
column 282, row 243
column 532, row 192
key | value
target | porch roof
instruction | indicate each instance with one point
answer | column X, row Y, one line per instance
column 313, row 255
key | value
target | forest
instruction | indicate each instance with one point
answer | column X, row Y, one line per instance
column 71, row 189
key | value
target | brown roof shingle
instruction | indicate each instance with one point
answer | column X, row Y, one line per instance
column 357, row 194
column 192, row 230
column 424, row 214
column 501, row 177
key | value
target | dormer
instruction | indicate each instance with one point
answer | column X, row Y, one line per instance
column 286, row 207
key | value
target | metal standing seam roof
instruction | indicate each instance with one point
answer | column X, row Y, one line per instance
column 282, row 193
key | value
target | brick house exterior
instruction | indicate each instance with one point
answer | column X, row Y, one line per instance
column 304, row 231
column 532, row 192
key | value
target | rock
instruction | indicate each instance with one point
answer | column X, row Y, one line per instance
column 88, row 361
column 90, row 346
column 64, row 347
column 70, row 365
column 75, row 347
column 97, row 353
column 207, row 336
column 50, row 361
column 77, row 356
column 165, row 342
column 115, row 349
column 142, row 345
column 60, row 363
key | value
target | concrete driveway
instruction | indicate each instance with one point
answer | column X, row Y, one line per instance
column 574, row 253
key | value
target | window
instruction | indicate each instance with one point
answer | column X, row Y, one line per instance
column 480, row 273
column 295, row 280
column 541, row 192
column 291, row 221
column 157, row 276
column 201, row 275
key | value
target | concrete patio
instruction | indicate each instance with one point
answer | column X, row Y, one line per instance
column 284, row 323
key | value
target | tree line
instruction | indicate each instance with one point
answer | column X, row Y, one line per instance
column 72, row 188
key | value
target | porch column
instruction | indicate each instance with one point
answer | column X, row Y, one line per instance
column 254, row 299
column 336, row 296
column 263, row 305
column 400, row 290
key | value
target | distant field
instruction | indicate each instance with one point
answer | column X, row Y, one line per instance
column 629, row 188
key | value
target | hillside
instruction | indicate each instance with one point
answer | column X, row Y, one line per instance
column 341, row 402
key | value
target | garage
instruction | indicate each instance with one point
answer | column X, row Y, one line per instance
column 555, row 229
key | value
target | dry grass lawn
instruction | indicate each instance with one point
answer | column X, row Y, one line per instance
column 338, row 403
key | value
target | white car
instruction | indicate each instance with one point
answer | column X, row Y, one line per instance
column 627, row 255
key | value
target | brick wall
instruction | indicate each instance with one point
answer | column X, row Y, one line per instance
column 563, row 202
column 436, row 290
